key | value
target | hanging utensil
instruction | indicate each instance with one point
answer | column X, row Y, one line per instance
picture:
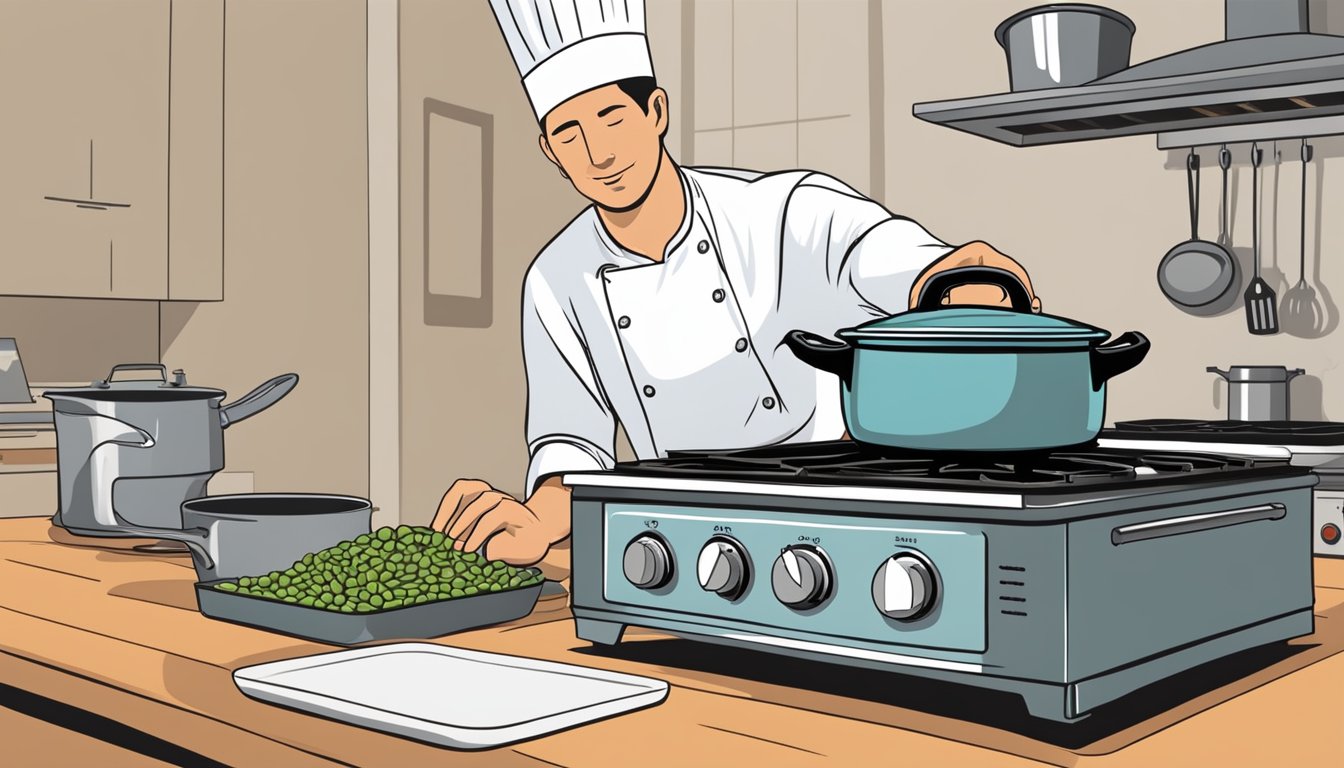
column 1261, row 311
column 1197, row 272
column 1299, row 302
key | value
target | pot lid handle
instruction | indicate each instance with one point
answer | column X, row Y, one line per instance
column 936, row 287
column 160, row 367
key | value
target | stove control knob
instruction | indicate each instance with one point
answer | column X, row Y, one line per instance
column 648, row 561
column 904, row 587
column 722, row 567
column 802, row 577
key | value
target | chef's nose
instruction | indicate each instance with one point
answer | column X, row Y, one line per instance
column 599, row 154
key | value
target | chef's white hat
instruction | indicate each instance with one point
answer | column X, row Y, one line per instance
column 565, row 47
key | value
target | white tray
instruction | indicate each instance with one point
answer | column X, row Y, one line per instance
column 447, row 696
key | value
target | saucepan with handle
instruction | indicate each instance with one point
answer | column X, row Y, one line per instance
column 251, row 534
column 972, row 378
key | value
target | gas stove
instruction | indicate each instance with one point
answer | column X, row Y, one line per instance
column 1315, row 444
column 1069, row 578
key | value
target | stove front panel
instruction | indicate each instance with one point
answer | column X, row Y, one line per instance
column 954, row 555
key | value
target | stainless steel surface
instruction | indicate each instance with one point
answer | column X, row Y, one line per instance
column 1262, row 80
column 1327, row 530
column 431, row 619
column 1258, row 392
column 1064, row 44
column 130, row 452
column 256, row 533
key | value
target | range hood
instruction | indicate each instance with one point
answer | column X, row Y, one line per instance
column 1270, row 78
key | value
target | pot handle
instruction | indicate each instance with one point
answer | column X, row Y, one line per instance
column 1116, row 357
column 196, row 539
column 257, row 400
column 936, row 287
column 1219, row 371
column 822, row 353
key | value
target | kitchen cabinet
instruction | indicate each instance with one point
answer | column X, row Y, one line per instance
column 112, row 146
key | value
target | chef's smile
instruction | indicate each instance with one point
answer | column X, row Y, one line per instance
column 612, row 179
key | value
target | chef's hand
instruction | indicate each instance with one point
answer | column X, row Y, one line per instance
column 976, row 253
column 473, row 513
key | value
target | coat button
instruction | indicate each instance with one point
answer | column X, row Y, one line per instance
column 768, row 402
column 741, row 345
column 717, row 295
column 703, row 247
column 624, row 322
column 648, row 391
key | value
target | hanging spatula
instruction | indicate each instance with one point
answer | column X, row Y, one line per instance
column 1261, row 305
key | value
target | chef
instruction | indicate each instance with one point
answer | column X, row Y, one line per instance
column 663, row 305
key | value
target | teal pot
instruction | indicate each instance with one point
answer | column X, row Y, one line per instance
column 970, row 378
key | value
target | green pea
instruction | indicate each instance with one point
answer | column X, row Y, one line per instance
column 393, row 603
column 437, row 538
column 227, row 586
column 363, row 607
column 384, row 534
column 264, row 581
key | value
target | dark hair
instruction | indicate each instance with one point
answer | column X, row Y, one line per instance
column 639, row 89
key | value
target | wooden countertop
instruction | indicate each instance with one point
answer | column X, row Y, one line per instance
column 116, row 635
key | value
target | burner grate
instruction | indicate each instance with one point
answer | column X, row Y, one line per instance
column 849, row 463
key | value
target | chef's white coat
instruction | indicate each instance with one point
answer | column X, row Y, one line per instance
column 687, row 353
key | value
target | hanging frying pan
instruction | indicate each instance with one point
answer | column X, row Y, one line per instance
column 1197, row 273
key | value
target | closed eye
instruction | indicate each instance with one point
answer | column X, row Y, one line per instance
column 618, row 122
column 570, row 140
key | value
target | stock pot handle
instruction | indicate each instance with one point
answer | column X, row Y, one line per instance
column 264, row 396
column 822, row 353
column 936, row 287
column 1114, row 358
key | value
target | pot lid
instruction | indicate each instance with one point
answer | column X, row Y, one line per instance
column 139, row 390
column 992, row 325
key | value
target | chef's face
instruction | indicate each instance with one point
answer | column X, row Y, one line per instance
column 608, row 146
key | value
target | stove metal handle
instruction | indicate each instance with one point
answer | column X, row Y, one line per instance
column 1193, row 523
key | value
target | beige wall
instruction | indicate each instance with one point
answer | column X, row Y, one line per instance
column 296, row 247
column 1092, row 220
column 296, row 259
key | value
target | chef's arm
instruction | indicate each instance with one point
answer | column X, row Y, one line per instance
column 877, row 261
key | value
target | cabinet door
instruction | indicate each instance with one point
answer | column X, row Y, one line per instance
column 84, row 145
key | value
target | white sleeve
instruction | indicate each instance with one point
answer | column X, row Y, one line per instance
column 870, row 255
column 570, row 425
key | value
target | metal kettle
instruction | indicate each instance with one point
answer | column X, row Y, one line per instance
column 1257, row 392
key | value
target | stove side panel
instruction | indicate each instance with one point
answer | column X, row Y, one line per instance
column 1144, row 583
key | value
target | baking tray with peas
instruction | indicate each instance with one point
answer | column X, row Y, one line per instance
column 405, row 582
